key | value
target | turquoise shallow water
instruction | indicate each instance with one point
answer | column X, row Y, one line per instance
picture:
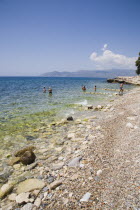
column 24, row 106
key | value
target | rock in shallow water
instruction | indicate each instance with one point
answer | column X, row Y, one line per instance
column 19, row 153
column 27, row 158
column 70, row 118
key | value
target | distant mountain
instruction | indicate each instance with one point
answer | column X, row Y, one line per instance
column 92, row 73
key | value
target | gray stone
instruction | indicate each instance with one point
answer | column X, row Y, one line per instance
column 50, row 179
column 75, row 162
column 28, row 206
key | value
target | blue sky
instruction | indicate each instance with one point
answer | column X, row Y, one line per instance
column 38, row 36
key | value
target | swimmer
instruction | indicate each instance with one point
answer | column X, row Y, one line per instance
column 84, row 88
column 50, row 90
column 44, row 90
column 95, row 88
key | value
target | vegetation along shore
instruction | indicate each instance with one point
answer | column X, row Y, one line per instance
column 90, row 163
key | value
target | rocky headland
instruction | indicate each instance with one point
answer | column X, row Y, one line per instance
column 127, row 80
column 89, row 163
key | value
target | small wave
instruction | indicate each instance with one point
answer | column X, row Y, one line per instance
column 82, row 103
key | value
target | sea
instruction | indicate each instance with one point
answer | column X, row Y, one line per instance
column 24, row 107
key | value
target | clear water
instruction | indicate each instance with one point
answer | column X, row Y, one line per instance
column 24, row 106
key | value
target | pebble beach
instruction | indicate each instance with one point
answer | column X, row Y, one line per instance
column 90, row 162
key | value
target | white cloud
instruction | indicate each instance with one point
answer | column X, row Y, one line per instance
column 104, row 47
column 110, row 60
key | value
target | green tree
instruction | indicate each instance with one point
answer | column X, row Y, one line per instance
column 138, row 65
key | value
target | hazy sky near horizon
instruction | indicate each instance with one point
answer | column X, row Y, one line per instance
column 39, row 36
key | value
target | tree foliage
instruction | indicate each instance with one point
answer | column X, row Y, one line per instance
column 138, row 65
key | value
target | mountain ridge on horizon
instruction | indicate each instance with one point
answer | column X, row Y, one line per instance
column 92, row 73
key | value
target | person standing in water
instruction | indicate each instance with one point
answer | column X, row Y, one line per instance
column 95, row 88
column 50, row 90
column 121, row 89
column 44, row 90
column 84, row 88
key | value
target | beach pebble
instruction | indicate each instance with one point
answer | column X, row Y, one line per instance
column 23, row 198
column 86, row 197
column 50, row 179
column 99, row 172
column 75, row 162
column 28, row 206
column 37, row 202
column 60, row 158
column 65, row 201
column 30, row 167
column 131, row 118
column 55, row 184
column 57, row 166
column 71, row 135
column 74, row 177
column 12, row 197
column 135, row 127
column 129, row 125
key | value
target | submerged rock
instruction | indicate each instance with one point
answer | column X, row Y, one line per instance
column 27, row 158
column 70, row 118
column 22, row 151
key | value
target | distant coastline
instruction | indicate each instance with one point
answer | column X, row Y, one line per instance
column 92, row 73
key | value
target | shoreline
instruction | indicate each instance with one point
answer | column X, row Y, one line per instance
column 84, row 139
column 135, row 80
